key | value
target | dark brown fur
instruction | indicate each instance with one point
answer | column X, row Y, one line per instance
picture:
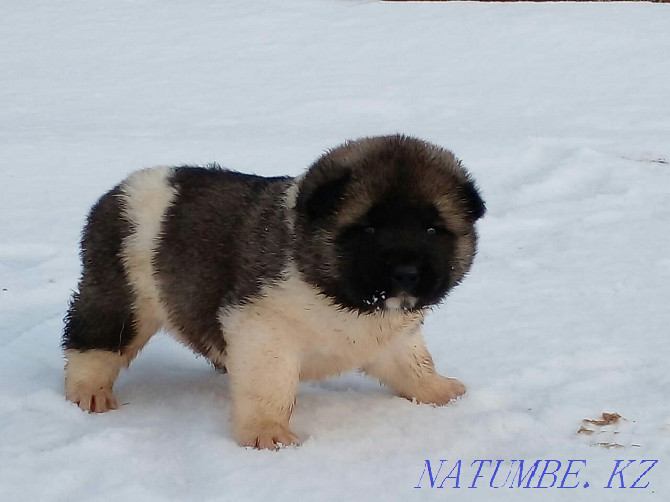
column 100, row 314
column 224, row 238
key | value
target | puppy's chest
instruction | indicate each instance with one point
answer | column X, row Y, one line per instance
column 294, row 319
column 341, row 344
column 336, row 332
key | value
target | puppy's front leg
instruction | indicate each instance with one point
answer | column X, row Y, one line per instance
column 264, row 379
column 407, row 367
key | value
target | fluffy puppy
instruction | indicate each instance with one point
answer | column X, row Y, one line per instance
column 276, row 280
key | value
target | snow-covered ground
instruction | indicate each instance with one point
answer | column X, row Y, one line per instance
column 562, row 113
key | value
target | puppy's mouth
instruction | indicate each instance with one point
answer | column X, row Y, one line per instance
column 400, row 302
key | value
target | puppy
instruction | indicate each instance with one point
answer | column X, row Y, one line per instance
column 276, row 280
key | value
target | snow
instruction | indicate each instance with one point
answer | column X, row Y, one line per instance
column 560, row 111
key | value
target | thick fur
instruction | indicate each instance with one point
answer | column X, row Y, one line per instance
column 277, row 280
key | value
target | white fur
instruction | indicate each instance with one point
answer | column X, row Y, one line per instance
column 291, row 194
column 400, row 302
column 147, row 195
column 89, row 378
column 291, row 199
column 294, row 333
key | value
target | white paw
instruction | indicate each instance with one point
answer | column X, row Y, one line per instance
column 93, row 400
column 267, row 436
column 439, row 390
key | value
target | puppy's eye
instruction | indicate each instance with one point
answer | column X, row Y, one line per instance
column 439, row 230
column 369, row 230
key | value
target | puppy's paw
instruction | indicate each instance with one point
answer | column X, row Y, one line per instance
column 93, row 400
column 439, row 390
column 267, row 436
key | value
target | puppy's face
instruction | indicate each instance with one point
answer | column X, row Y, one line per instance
column 395, row 256
column 386, row 224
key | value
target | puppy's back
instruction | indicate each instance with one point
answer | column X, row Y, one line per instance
column 224, row 237
column 170, row 247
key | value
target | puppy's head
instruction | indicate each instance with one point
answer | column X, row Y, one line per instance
column 386, row 223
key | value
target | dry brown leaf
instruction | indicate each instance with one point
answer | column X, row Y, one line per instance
column 607, row 419
column 608, row 445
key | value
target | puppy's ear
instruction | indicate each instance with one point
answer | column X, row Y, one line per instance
column 474, row 203
column 323, row 198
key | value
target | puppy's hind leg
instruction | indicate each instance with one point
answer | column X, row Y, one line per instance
column 103, row 328
column 95, row 334
column 407, row 367
column 98, row 342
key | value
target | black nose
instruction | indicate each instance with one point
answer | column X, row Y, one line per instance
column 405, row 276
